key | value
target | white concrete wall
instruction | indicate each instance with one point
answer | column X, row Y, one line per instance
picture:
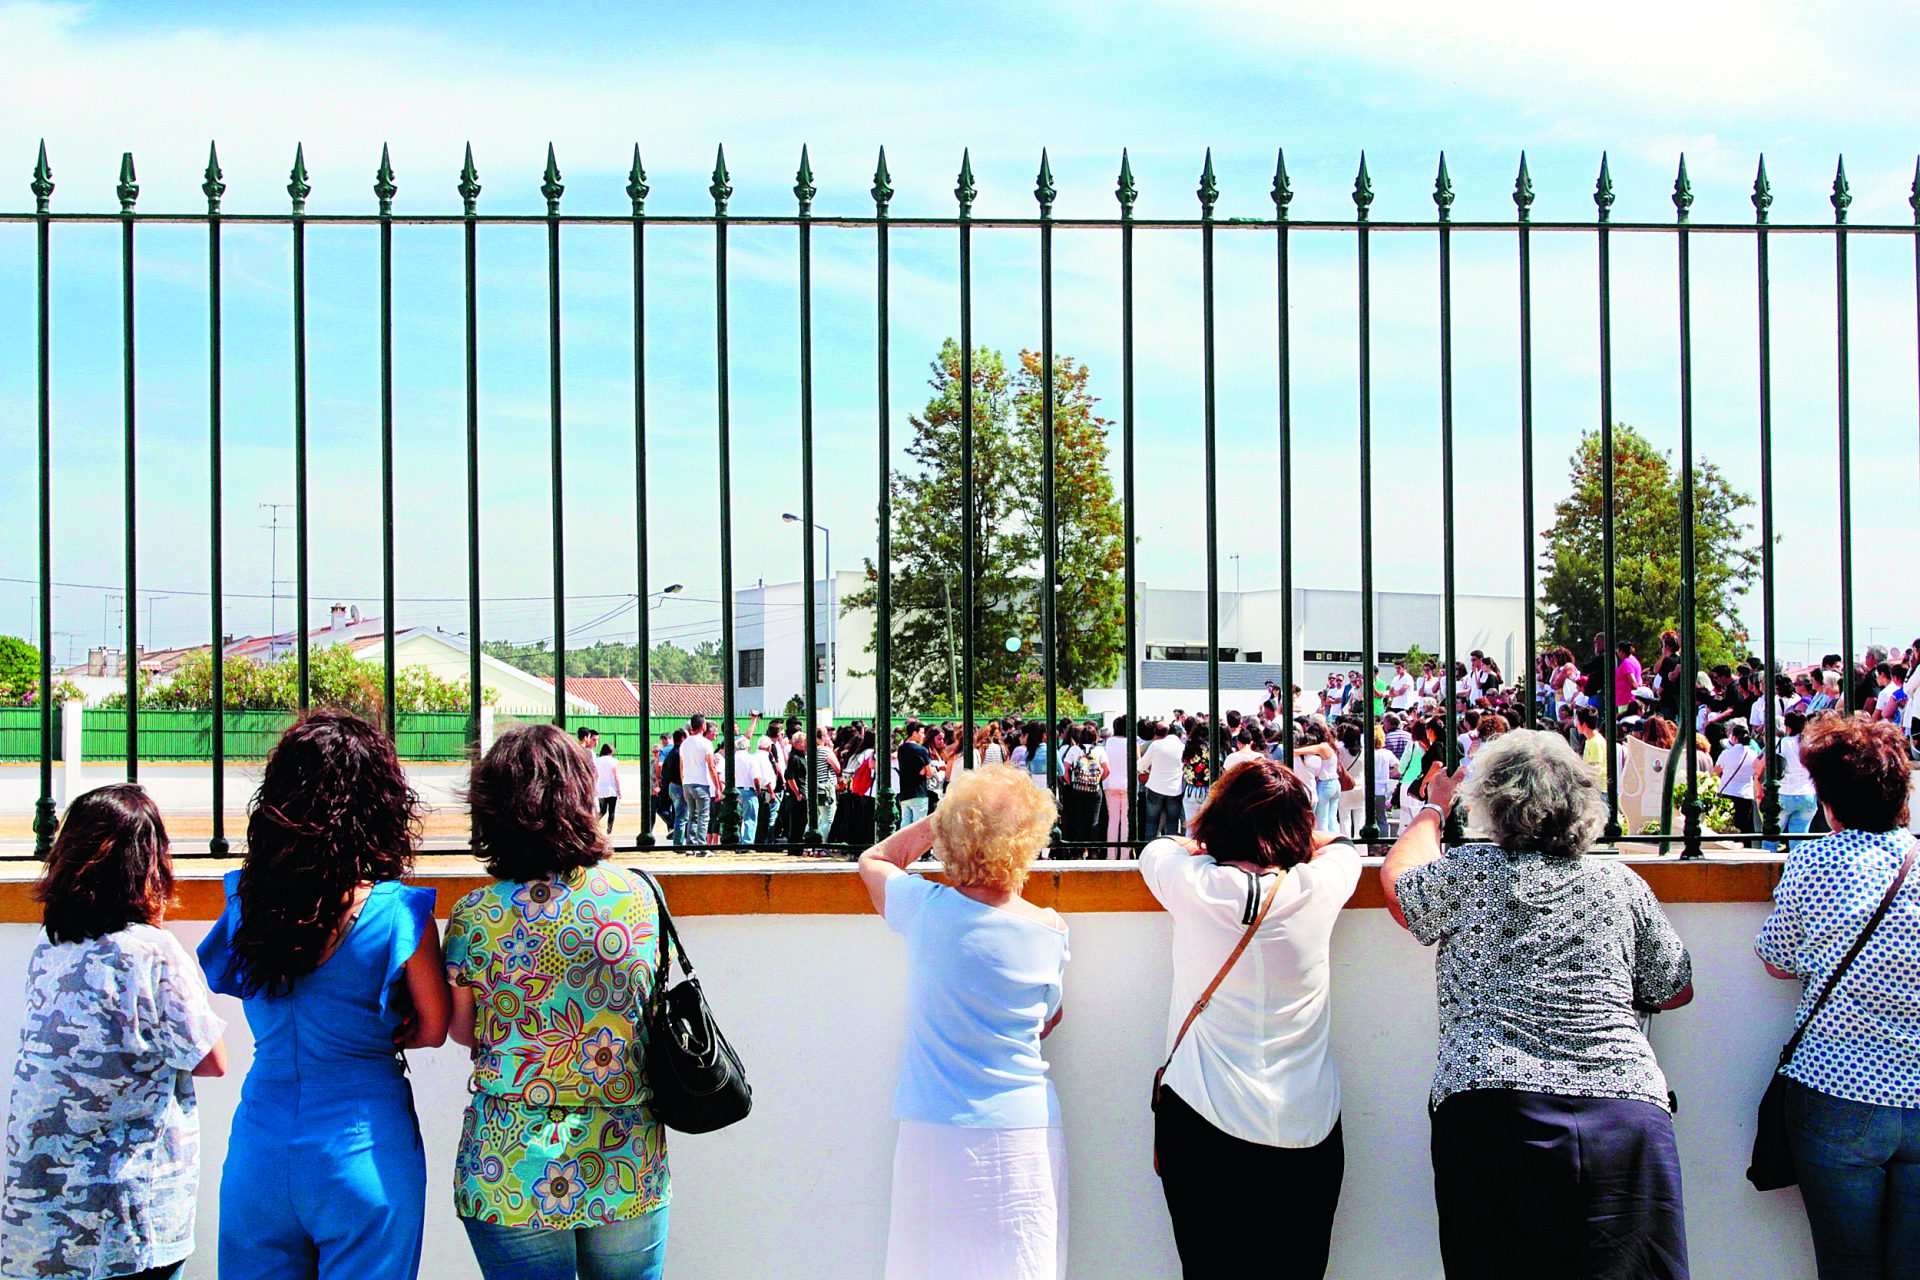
column 800, row 1190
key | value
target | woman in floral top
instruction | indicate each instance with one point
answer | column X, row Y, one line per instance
column 562, row 1169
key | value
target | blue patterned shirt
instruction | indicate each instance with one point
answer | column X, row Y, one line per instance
column 1865, row 1045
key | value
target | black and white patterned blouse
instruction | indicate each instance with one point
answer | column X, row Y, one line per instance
column 1544, row 965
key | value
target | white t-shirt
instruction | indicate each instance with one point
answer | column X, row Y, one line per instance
column 1161, row 760
column 695, row 752
column 1794, row 778
column 1736, row 765
column 606, row 776
column 1242, row 756
column 1400, row 692
column 763, row 771
column 743, row 768
column 1255, row 1064
column 1384, row 763
column 1122, row 760
column 1307, row 704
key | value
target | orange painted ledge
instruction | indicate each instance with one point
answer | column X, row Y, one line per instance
column 836, row 890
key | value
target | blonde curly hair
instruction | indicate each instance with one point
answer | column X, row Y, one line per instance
column 990, row 824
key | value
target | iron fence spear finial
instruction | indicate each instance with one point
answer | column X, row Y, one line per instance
column 298, row 188
column 1603, row 190
column 1443, row 190
column 1362, row 190
column 1682, row 191
column 550, row 185
column 1282, row 185
column 213, row 186
column 384, row 187
column 1842, row 194
column 469, row 183
column 721, row 188
column 882, row 185
column 42, row 183
column 1762, row 192
column 964, row 190
column 1043, row 190
column 637, row 187
column 1523, row 190
column 1914, row 199
column 803, row 188
column 129, row 187
column 1209, row 189
column 1124, row 190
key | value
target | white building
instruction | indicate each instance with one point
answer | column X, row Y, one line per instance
column 1171, row 667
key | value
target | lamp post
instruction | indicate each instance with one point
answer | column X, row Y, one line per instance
column 664, row 592
column 833, row 649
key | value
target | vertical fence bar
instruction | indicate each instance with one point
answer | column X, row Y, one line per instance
column 883, row 814
column 803, row 191
column 1689, row 607
column 963, row 191
column 1913, row 200
column 1126, row 192
column 383, row 191
column 129, row 191
column 1043, row 192
column 721, row 189
column 1523, row 214
column 1209, row 193
column 552, row 189
column 637, row 197
column 1844, row 426
column 469, row 195
column 298, row 189
column 1603, row 203
column 1369, row 649
column 1762, row 201
column 213, row 188
column 1443, row 205
column 1283, row 303
column 43, row 819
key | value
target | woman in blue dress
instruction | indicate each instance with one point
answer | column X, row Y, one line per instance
column 339, row 967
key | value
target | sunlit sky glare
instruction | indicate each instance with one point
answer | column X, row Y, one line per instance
column 1402, row 80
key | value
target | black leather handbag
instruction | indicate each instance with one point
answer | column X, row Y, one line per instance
column 1772, row 1165
column 697, row 1082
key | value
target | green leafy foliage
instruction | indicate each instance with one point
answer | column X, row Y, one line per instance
column 669, row 663
column 336, row 678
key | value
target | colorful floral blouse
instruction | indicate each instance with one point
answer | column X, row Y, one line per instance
column 558, row 1133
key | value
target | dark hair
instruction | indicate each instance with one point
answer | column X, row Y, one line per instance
column 586, row 731
column 1119, row 724
column 1794, row 722
column 696, row 724
column 1589, row 717
column 534, row 814
column 334, row 811
column 1860, row 770
column 108, row 867
column 1258, row 812
column 606, row 748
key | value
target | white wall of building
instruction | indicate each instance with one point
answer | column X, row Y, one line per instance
column 771, row 618
column 814, row 1004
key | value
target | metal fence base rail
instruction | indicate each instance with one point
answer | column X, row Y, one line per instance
column 143, row 734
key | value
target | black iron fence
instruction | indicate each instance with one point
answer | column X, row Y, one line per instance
column 1281, row 229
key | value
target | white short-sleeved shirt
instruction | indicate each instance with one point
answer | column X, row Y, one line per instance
column 1736, row 764
column 1162, row 763
column 606, row 776
column 1122, row 759
column 694, row 754
column 1255, row 1062
column 1794, row 778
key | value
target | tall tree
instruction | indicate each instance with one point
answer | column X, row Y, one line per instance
column 1646, row 558
column 929, row 622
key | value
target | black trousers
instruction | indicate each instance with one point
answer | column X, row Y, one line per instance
column 607, row 805
column 1532, row 1185
column 1300, row 1187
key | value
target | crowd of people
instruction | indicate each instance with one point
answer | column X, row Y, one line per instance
column 1553, row 1147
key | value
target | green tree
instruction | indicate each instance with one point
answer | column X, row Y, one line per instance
column 1646, row 553
column 928, row 516
column 336, row 678
column 19, row 670
column 670, row 664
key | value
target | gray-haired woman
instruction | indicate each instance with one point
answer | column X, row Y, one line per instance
column 1553, row 1149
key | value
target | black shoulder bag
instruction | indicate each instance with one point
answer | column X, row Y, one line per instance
column 1772, row 1166
column 697, row 1082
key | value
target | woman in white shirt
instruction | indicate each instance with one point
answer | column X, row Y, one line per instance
column 1735, row 769
column 1797, row 803
column 606, row 782
column 1250, row 1097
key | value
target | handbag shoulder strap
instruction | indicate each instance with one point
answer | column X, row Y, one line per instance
column 1859, row 943
column 669, row 941
column 1206, row 996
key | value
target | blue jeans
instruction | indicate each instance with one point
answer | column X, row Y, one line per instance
column 1326, row 804
column 748, row 802
column 1859, row 1168
column 911, row 811
column 678, row 794
column 699, row 810
column 635, row 1249
column 1160, row 815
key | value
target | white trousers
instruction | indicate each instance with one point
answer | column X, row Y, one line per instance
column 978, row 1204
column 1116, row 824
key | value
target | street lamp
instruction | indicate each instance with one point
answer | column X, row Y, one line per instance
column 664, row 592
column 833, row 649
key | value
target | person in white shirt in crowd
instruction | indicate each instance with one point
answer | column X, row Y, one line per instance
column 766, row 784
column 1797, row 802
column 1249, row 1099
column 1890, row 703
column 1386, row 777
column 1400, row 690
column 699, row 780
column 1123, row 765
column 1735, row 768
column 1333, row 698
column 746, row 797
column 1160, row 772
column 1317, row 765
column 606, row 782
column 1244, row 750
column 1433, row 685
column 1351, row 813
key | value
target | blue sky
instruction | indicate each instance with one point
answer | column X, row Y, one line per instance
column 1399, row 79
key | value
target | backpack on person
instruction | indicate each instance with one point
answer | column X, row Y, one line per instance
column 1084, row 774
column 861, row 783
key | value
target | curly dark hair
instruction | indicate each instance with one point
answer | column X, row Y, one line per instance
column 108, row 868
column 534, row 814
column 334, row 811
